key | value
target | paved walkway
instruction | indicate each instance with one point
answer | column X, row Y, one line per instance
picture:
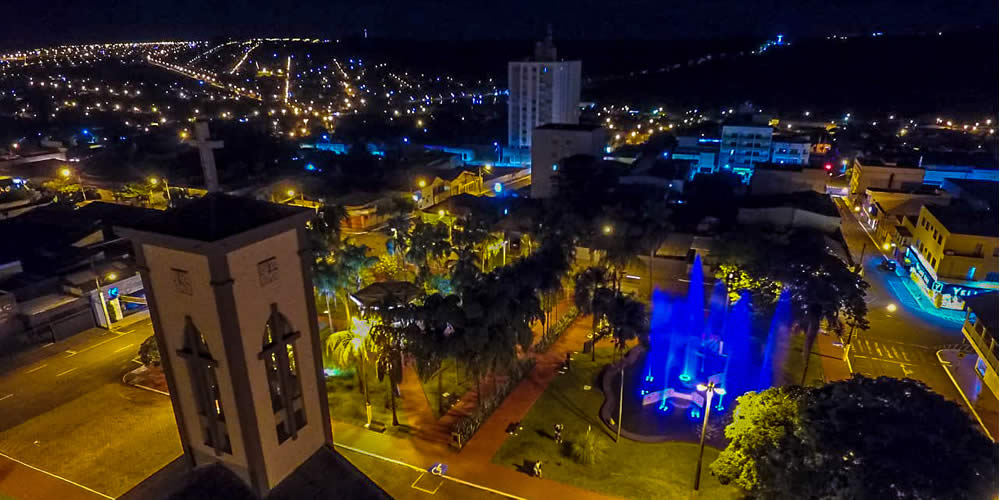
column 961, row 367
column 474, row 462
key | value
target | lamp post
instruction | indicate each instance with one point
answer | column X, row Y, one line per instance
column 166, row 187
column 485, row 168
column 67, row 174
column 709, row 390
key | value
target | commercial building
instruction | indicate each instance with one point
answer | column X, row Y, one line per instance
column 939, row 166
column 542, row 90
column 742, row 146
column 790, row 150
column 980, row 328
column 884, row 211
column 703, row 150
column 554, row 142
column 773, row 178
column 872, row 172
column 954, row 254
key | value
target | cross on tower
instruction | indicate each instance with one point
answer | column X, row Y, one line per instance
column 202, row 141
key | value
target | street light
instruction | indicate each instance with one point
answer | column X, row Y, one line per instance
column 607, row 229
column 891, row 307
column 709, row 391
column 65, row 172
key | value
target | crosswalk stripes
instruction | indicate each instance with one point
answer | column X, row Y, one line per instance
column 891, row 351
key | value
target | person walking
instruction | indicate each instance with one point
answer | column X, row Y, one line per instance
column 558, row 429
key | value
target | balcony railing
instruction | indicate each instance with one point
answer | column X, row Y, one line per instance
column 984, row 341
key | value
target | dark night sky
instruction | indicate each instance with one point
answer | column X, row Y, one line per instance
column 33, row 23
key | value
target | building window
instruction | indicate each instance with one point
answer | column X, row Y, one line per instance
column 280, row 362
column 981, row 367
column 971, row 275
column 201, row 367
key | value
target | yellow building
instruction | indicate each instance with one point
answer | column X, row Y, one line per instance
column 872, row 172
column 980, row 329
column 433, row 188
column 953, row 254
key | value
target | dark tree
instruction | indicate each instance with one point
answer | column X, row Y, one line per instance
column 861, row 439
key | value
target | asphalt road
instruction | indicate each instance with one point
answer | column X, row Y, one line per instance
column 900, row 343
column 31, row 389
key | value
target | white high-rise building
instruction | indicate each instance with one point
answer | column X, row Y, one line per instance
column 542, row 90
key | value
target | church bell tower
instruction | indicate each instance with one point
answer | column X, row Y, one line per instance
column 229, row 286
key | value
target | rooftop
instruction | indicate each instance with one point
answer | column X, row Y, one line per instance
column 879, row 162
column 961, row 220
column 376, row 293
column 214, row 217
column 326, row 474
column 977, row 188
column 804, row 200
column 574, row 127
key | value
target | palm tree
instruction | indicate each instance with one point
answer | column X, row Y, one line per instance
column 328, row 282
column 399, row 210
column 352, row 347
column 440, row 317
column 324, row 230
column 589, row 287
column 392, row 322
column 655, row 229
column 625, row 318
column 427, row 242
column 355, row 259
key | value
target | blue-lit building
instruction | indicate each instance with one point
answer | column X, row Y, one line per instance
column 701, row 150
column 939, row 166
column 742, row 146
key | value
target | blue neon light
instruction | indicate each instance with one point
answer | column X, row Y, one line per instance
column 310, row 167
column 497, row 188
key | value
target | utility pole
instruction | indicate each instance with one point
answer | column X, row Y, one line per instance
column 861, row 260
column 621, row 397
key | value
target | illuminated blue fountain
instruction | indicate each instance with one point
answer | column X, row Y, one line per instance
column 686, row 348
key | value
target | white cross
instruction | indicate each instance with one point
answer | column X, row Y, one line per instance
column 202, row 141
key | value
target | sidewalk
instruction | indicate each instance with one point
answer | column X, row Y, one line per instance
column 961, row 368
column 832, row 357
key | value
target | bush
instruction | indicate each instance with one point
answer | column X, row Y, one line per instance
column 149, row 352
column 587, row 448
column 557, row 329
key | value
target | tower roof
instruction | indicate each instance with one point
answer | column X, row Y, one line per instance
column 216, row 216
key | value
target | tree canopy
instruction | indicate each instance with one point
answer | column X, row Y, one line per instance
column 859, row 439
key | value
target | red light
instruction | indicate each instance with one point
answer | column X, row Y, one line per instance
column 828, row 166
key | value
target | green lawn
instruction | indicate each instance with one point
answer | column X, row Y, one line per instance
column 454, row 381
column 108, row 440
column 347, row 402
column 628, row 468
